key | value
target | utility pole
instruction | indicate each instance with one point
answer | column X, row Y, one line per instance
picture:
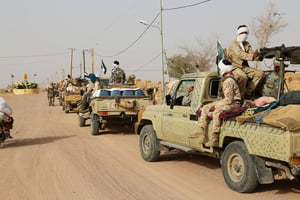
column 63, row 74
column 83, row 52
column 93, row 57
column 71, row 62
column 162, row 53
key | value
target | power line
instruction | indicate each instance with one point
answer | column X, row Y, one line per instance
column 135, row 41
column 142, row 66
column 186, row 6
column 141, row 35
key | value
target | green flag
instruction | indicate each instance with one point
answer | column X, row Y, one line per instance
column 220, row 55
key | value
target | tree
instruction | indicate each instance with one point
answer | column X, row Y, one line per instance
column 179, row 65
column 194, row 60
column 267, row 25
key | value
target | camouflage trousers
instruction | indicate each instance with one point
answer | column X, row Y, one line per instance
column 242, row 75
column 216, row 123
column 51, row 100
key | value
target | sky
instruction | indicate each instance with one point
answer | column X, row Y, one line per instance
column 37, row 36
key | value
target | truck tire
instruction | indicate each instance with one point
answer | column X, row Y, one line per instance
column 149, row 144
column 66, row 108
column 81, row 121
column 95, row 125
column 298, row 178
column 238, row 168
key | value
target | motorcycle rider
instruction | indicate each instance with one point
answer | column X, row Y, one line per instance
column 6, row 121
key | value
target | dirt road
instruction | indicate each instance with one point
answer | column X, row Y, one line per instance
column 51, row 157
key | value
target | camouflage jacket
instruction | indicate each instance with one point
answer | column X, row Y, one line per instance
column 186, row 101
column 51, row 91
column 230, row 91
column 238, row 56
column 118, row 75
column 270, row 88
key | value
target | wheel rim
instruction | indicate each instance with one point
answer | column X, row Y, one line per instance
column 146, row 144
column 236, row 167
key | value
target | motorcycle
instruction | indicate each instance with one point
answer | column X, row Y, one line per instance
column 6, row 124
column 6, row 120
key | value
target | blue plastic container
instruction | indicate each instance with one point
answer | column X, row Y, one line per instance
column 115, row 93
column 127, row 92
column 105, row 93
column 139, row 93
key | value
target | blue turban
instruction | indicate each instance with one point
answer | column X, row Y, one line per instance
column 92, row 77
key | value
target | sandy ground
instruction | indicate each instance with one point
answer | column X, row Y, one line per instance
column 51, row 157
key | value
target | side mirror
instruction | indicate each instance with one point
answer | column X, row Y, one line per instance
column 172, row 102
column 168, row 99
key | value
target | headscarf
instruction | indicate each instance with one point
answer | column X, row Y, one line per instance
column 92, row 77
column 4, row 106
column 241, row 29
column 225, row 67
column 116, row 64
column 242, row 35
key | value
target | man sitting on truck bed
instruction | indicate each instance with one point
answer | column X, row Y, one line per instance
column 239, row 53
column 231, row 100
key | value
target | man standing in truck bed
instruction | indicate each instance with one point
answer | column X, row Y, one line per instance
column 117, row 74
column 231, row 99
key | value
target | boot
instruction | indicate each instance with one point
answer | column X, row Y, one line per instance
column 213, row 140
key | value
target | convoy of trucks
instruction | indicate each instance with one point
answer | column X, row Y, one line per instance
column 252, row 151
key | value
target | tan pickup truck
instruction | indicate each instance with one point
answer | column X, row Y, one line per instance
column 70, row 100
column 251, row 152
column 120, row 104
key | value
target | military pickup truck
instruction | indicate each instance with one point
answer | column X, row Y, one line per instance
column 70, row 100
column 115, row 103
column 250, row 153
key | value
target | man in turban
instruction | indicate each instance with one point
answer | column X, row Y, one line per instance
column 239, row 53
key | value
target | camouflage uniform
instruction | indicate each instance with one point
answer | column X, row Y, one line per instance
column 270, row 88
column 118, row 75
column 51, row 94
column 231, row 100
column 242, row 71
column 186, row 101
column 6, row 120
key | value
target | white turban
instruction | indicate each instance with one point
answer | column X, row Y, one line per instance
column 242, row 37
column 4, row 106
column 224, row 67
column 242, row 29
